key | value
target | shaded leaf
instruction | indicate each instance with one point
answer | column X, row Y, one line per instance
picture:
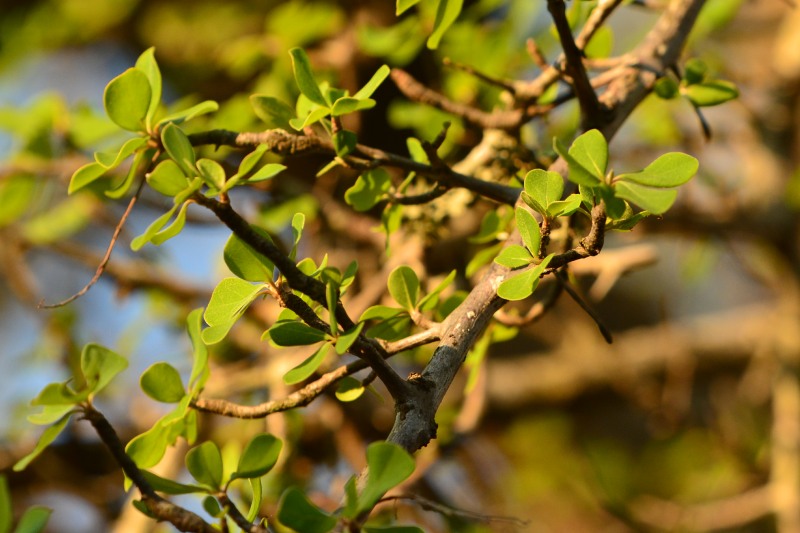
column 148, row 65
column 344, row 142
column 258, row 457
column 167, row 486
column 711, row 93
column 529, row 230
column 294, row 333
column 298, row 513
column 204, row 463
column 203, row 108
column 33, row 520
column 200, row 369
column 307, row 368
column 346, row 340
column 447, row 12
column 244, row 261
column 110, row 160
column 85, row 175
column 173, row 229
column 179, row 148
column 388, row 466
column 48, row 436
column 369, row 189
column 273, row 112
column 304, row 77
column 167, row 178
column 349, row 389
column 212, row 173
column 514, row 256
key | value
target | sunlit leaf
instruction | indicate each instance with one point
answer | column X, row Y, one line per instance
column 669, row 170
column 522, row 285
column 127, row 99
column 374, row 82
column 274, row 113
column 167, row 486
column 349, row 389
column 244, row 261
column 48, row 436
column 294, row 333
column 447, row 12
column 388, row 466
column 258, row 457
column 179, row 148
column 711, row 93
column 656, row 201
column 403, row 285
column 346, row 339
column 304, row 77
column 167, row 178
column 369, row 189
column 99, row 365
column 148, row 65
column 162, row 382
column 514, row 256
column 529, row 230
column 403, row 5
column 229, row 301
column 33, row 520
column 203, row 108
column 204, row 463
column 307, row 368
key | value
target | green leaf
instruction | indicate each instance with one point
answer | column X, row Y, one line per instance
column 58, row 394
column 125, row 185
column 34, row 520
column 200, row 370
column 273, row 112
column 50, row 414
column 203, row 108
column 258, row 457
column 529, row 230
column 590, row 150
column 447, row 12
column 229, row 301
column 167, row 486
column 392, row 529
column 374, row 82
column 711, row 93
column 304, row 77
column 266, row 172
column 522, row 285
column 544, row 187
column 657, row 201
column 349, row 389
column 307, row 368
column 85, row 175
column 294, row 333
column 152, row 229
column 404, row 286
column 314, row 116
column 346, row 340
column 514, row 256
column 403, row 5
column 179, row 148
column 344, row 142
column 204, row 463
column 388, row 465
column 564, row 207
column 6, row 511
column 255, row 503
column 369, row 189
column 173, row 229
column 666, row 88
column 48, row 436
column 147, row 64
column 298, row 222
column 332, row 299
column 162, row 382
column 167, row 178
column 669, row 170
column 577, row 172
column 110, row 160
column 349, row 104
column 601, row 45
column 615, row 206
column 99, row 365
column 244, row 261
column 127, row 99
column 252, row 159
column 298, row 513
column 212, row 173
column 147, row 449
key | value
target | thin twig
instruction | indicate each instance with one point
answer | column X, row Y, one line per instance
column 503, row 84
column 576, row 296
column 102, row 266
column 451, row 512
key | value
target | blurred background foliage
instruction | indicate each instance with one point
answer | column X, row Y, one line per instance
column 687, row 423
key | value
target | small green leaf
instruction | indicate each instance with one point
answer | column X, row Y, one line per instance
column 266, row 172
column 564, row 207
column 204, row 463
column 590, row 150
column 403, row 5
column 244, row 261
column 167, row 178
column 447, row 12
column 127, row 99
column 529, row 230
column 294, row 333
column 431, row 299
column 109, row 160
column 374, row 82
column 307, row 368
column 255, row 503
column 179, row 148
column 50, row 414
column 369, row 189
column 252, row 159
column 167, row 486
column 273, row 112
column 346, row 340
column 348, row 104
column 344, row 142
column 229, row 301
column 34, row 520
column 298, row 222
column 388, row 466
column 99, row 365
column 514, row 256
column 298, row 513
column 258, row 457
column 332, row 299
column 577, row 172
column 304, row 77
column 212, row 173
column 392, row 529
column 314, row 116
column 669, row 170
column 200, row 370
column 544, row 187
column 404, row 286
column 666, row 88
column 58, row 394
column 85, row 175
column 349, row 389
column 711, row 93
column 162, row 382
column 148, row 65
column 203, row 108
column 147, row 449
column 656, row 201
column 152, row 229
column 173, row 229
column 522, row 285
column 48, row 436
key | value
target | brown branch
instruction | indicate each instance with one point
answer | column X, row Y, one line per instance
column 237, row 515
column 590, row 106
column 472, row 71
column 579, row 299
column 102, row 266
column 162, row 509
